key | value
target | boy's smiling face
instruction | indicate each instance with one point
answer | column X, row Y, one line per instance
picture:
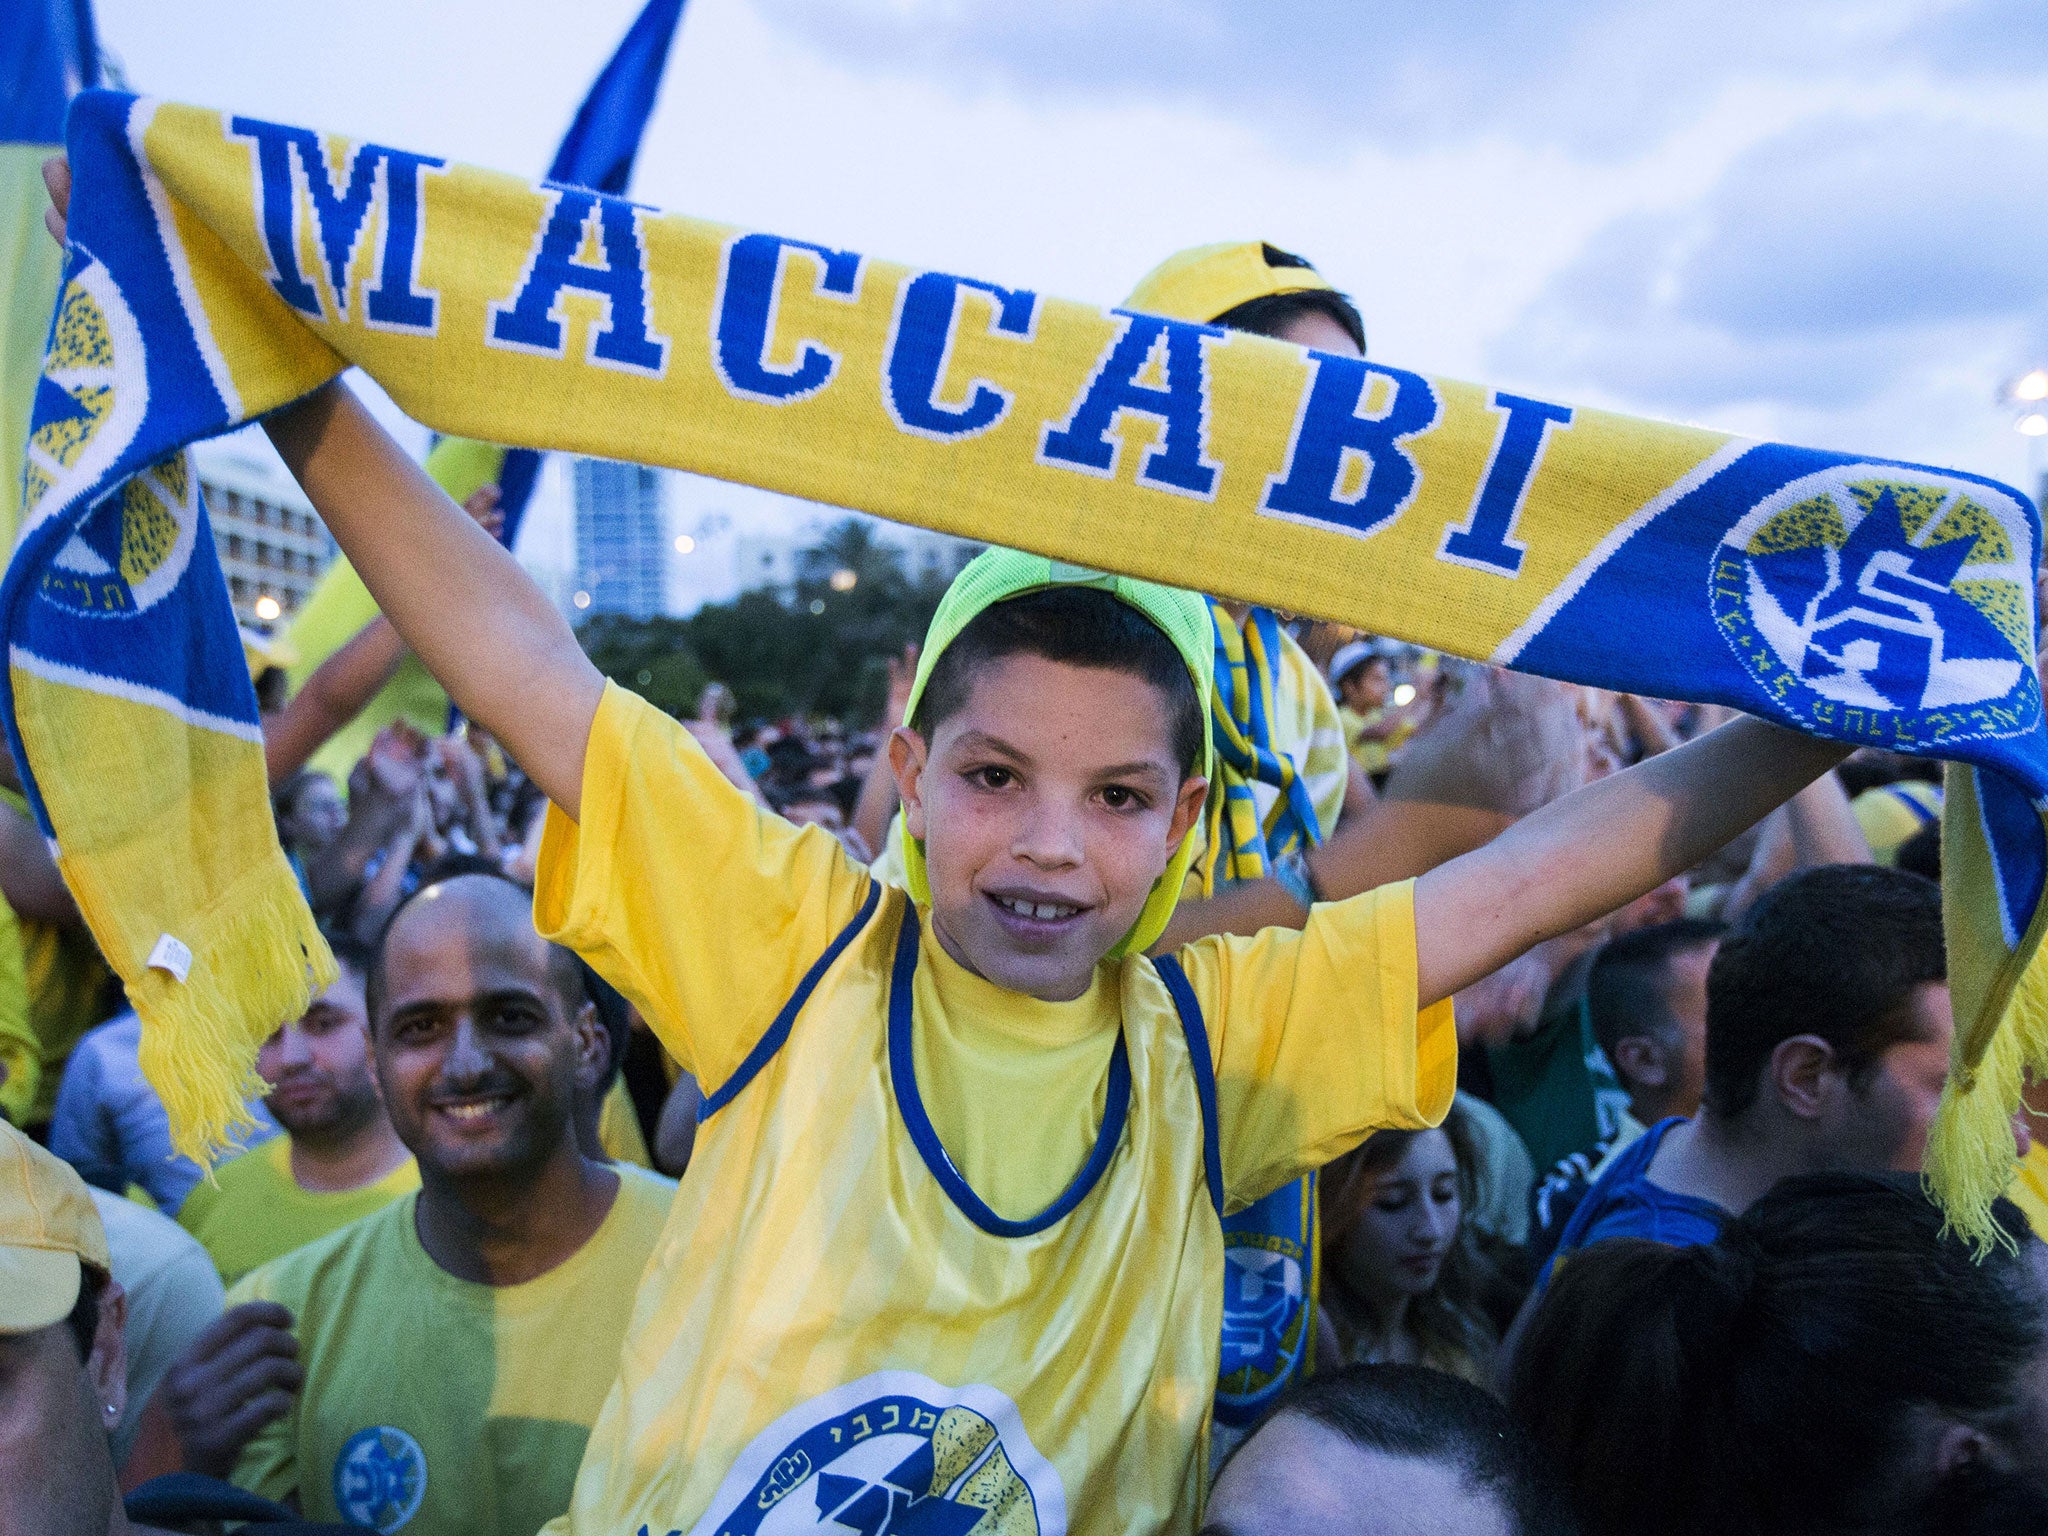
column 1049, row 803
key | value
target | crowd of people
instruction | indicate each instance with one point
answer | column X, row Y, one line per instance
column 1422, row 1098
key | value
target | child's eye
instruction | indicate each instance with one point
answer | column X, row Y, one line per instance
column 993, row 776
column 1120, row 797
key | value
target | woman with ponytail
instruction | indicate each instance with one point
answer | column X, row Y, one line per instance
column 1833, row 1363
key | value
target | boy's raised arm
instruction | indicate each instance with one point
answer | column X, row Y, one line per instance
column 1602, row 846
column 454, row 594
column 507, row 658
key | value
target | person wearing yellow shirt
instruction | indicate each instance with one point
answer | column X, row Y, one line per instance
column 1364, row 683
column 53, row 984
column 436, row 1366
column 950, row 1247
column 338, row 1159
column 2029, row 1187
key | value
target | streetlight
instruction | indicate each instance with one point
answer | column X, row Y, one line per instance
column 684, row 543
column 581, row 599
column 2032, row 385
column 845, row 579
column 267, row 608
column 2033, row 424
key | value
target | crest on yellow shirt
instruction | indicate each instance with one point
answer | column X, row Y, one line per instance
column 893, row 1454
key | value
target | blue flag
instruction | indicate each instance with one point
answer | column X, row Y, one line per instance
column 47, row 55
column 598, row 152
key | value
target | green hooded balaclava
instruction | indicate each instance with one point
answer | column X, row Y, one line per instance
column 1183, row 617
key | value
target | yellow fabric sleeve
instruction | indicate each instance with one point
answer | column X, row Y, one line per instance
column 618, row 1128
column 1317, row 1040
column 683, row 893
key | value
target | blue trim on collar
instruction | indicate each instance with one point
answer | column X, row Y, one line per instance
column 909, row 1104
column 1196, row 1030
column 778, row 1032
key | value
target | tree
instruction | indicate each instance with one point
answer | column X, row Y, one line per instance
column 818, row 646
column 653, row 657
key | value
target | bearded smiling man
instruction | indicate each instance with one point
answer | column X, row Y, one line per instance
column 339, row 1157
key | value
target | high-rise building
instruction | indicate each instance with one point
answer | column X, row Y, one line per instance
column 273, row 547
column 621, row 556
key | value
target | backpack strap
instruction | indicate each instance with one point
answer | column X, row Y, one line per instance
column 1196, row 1032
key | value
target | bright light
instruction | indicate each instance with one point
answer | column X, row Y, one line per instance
column 684, row 543
column 2031, row 386
column 843, row 580
column 817, row 605
column 581, row 599
column 267, row 608
column 2033, row 424
column 1404, row 695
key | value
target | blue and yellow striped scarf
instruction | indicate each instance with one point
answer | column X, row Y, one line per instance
column 1243, row 845
column 223, row 265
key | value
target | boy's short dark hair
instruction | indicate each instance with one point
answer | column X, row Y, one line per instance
column 1079, row 627
column 1834, row 952
column 1271, row 313
column 1420, row 1414
column 1625, row 985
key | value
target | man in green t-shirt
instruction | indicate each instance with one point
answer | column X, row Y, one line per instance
column 437, row 1365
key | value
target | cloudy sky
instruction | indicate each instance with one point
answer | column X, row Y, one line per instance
column 1818, row 220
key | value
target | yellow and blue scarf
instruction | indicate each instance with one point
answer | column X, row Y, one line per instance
column 223, row 265
column 1242, row 844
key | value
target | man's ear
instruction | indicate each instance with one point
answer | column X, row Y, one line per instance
column 107, row 1366
column 907, row 757
column 593, row 1045
column 1194, row 792
column 1803, row 1073
column 1639, row 1060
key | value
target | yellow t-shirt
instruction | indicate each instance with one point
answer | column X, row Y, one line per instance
column 618, row 1128
column 21, row 1055
column 69, row 988
column 437, row 1405
column 846, row 1314
column 253, row 1210
column 2029, row 1189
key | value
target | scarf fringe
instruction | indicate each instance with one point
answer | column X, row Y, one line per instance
column 1970, row 1146
column 258, row 964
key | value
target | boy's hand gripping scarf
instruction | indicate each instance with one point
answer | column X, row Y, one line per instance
column 222, row 266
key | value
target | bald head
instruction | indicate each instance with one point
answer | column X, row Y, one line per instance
column 483, row 912
column 486, row 1048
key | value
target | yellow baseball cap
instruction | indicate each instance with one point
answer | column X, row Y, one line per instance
column 48, row 1228
column 1206, row 281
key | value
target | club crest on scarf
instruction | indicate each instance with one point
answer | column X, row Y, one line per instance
column 1893, row 607
column 1268, row 1295
column 82, row 422
column 892, row 1455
